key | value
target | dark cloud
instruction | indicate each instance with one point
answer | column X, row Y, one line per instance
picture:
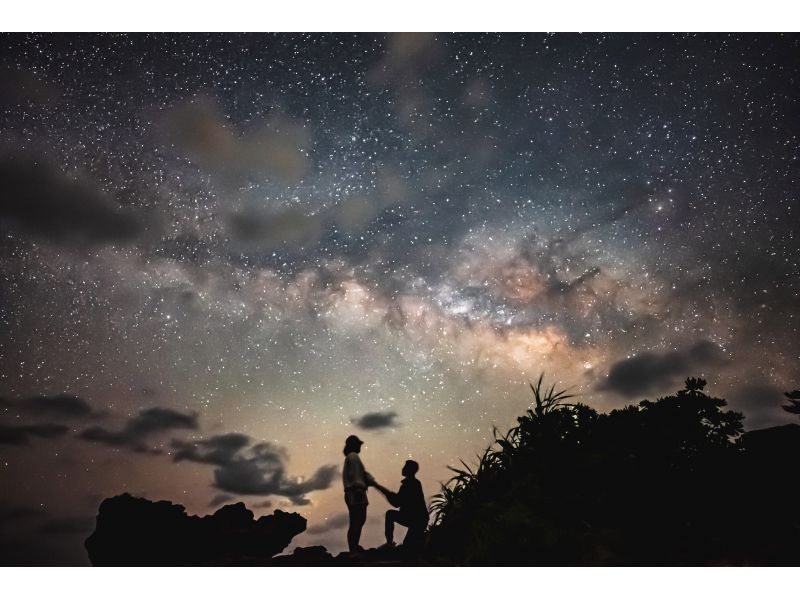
column 405, row 55
column 217, row 450
column 264, row 476
column 272, row 229
column 300, row 501
column 761, row 403
column 338, row 521
column 19, row 435
column 18, row 512
column 275, row 147
column 68, row 525
column 259, row 469
column 707, row 353
column 376, row 421
column 220, row 499
column 650, row 372
column 264, row 504
column 45, row 202
column 55, row 406
column 258, row 228
column 141, row 427
column 402, row 70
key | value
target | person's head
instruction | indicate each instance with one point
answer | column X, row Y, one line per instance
column 410, row 469
column 352, row 444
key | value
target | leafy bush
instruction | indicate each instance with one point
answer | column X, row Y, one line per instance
column 655, row 483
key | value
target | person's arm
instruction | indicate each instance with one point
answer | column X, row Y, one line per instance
column 392, row 497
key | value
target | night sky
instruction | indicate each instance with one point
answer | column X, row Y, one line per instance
column 220, row 255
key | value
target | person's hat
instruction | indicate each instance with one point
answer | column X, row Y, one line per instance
column 353, row 439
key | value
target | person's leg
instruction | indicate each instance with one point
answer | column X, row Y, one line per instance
column 351, row 529
column 415, row 530
column 357, row 524
column 358, row 515
column 391, row 517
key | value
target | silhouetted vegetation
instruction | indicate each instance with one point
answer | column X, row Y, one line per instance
column 674, row 481
column 794, row 402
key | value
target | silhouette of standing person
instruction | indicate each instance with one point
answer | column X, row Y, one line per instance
column 412, row 513
column 356, row 479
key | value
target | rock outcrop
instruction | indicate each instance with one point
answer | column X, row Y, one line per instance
column 318, row 556
column 137, row 531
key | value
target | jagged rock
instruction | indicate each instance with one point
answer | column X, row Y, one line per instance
column 310, row 556
column 378, row 557
column 136, row 531
column 316, row 556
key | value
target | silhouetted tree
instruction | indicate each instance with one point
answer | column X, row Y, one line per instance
column 794, row 402
column 662, row 482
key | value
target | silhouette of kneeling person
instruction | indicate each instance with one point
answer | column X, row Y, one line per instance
column 412, row 511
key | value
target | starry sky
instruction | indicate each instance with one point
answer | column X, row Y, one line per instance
column 220, row 255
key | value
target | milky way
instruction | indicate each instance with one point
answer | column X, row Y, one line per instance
column 220, row 255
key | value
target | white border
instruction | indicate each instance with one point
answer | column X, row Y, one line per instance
column 400, row 582
column 408, row 15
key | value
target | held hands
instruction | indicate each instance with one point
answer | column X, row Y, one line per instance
column 390, row 496
column 385, row 491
